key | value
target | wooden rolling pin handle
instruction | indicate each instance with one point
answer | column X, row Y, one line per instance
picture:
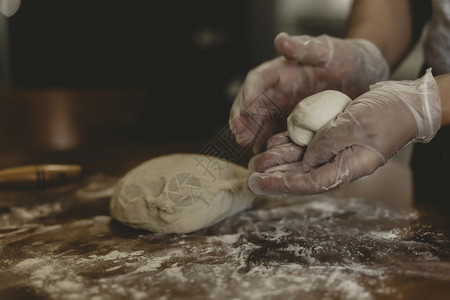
column 38, row 176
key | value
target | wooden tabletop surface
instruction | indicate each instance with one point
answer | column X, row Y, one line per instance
column 364, row 241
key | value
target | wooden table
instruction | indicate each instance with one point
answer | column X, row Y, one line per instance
column 364, row 241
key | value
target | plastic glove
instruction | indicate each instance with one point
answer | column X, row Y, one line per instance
column 373, row 127
column 308, row 65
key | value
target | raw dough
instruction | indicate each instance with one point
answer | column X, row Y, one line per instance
column 310, row 114
column 180, row 193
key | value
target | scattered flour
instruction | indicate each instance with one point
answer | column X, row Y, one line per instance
column 388, row 235
column 20, row 216
column 307, row 250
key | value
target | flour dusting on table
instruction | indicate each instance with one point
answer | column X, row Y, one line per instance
column 320, row 248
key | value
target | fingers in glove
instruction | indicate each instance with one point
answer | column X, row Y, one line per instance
column 252, row 108
column 347, row 166
column 278, row 139
column 255, row 124
column 299, row 166
column 305, row 49
column 333, row 138
column 278, row 155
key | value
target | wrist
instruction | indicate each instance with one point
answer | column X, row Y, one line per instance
column 443, row 83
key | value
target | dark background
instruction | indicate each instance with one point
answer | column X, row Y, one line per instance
column 187, row 57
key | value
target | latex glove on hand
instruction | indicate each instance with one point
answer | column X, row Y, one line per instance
column 308, row 65
column 373, row 128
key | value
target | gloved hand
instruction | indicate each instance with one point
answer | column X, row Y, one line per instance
column 373, row 128
column 308, row 65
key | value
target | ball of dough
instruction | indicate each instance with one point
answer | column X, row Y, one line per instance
column 180, row 193
column 310, row 114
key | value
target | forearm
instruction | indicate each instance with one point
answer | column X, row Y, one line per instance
column 443, row 83
column 386, row 23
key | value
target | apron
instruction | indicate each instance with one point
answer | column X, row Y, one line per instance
column 431, row 162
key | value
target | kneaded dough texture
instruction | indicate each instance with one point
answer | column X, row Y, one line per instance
column 180, row 193
column 310, row 114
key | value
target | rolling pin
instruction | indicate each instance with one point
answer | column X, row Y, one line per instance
column 38, row 176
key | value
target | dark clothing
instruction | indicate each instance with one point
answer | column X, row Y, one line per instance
column 431, row 170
